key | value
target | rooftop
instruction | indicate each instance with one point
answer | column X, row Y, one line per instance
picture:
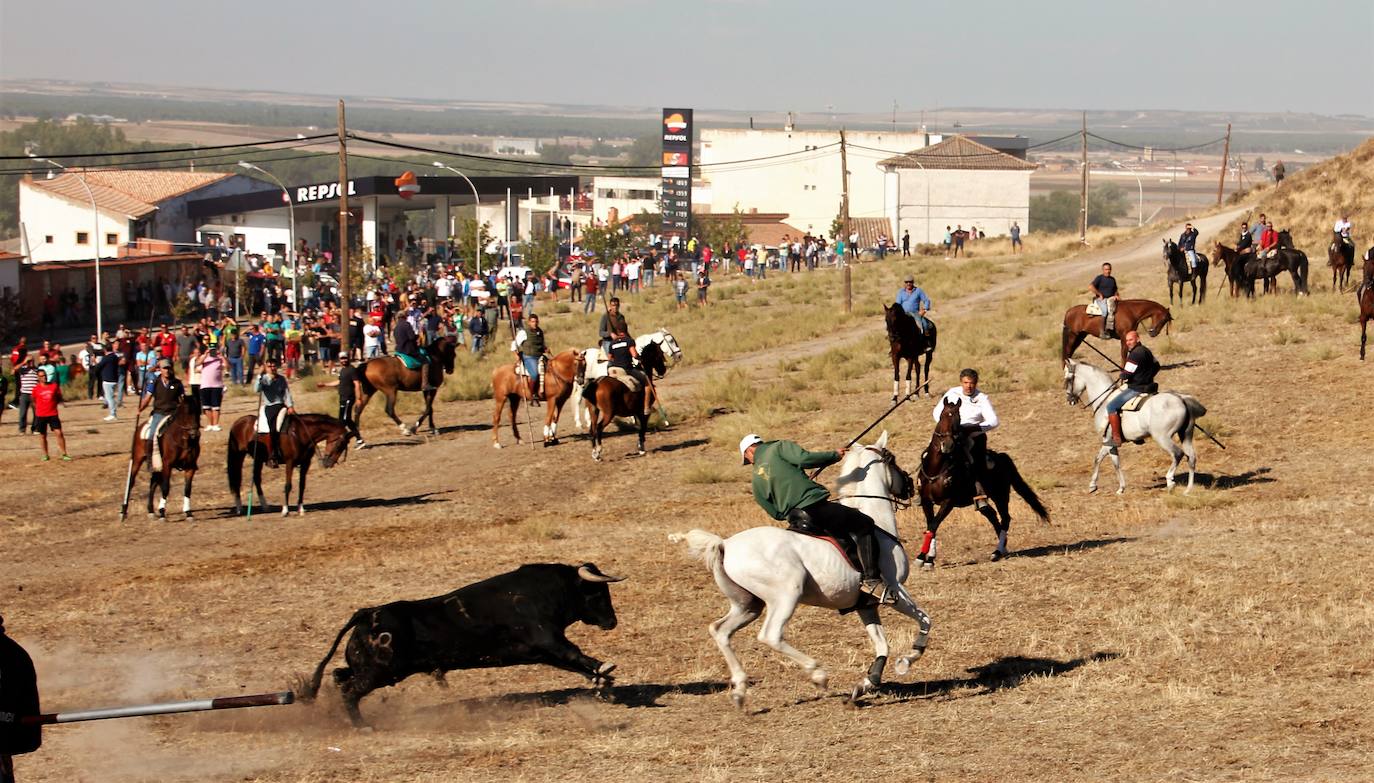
column 131, row 193
column 958, row 153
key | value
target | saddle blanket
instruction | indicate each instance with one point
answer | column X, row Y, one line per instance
column 162, row 425
column 1093, row 309
column 1135, row 402
column 262, row 421
column 846, row 550
column 411, row 362
column 631, row 382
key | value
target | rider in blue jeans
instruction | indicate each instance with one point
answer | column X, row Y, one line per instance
column 1139, row 377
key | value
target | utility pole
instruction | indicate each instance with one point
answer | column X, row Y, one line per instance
column 1083, row 197
column 345, row 290
column 1225, row 158
column 844, row 223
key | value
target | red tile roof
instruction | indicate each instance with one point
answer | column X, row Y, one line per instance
column 131, row 193
column 958, row 153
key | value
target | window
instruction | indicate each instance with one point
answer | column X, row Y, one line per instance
column 47, row 239
column 111, row 239
column 82, row 238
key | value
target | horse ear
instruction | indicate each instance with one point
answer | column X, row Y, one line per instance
column 882, row 440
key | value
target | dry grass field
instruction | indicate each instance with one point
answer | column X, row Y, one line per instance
column 1221, row 635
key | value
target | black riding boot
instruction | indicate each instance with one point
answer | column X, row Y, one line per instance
column 276, row 458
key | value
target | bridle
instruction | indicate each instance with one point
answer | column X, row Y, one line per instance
column 1074, row 398
column 901, row 497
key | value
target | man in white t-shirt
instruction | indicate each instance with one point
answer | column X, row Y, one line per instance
column 372, row 339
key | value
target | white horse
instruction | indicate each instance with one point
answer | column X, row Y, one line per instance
column 1161, row 417
column 777, row 569
column 597, row 365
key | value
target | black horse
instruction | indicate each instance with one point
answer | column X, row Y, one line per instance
column 906, row 341
column 1294, row 261
column 1180, row 272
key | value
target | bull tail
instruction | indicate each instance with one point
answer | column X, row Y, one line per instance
column 307, row 689
column 1024, row 490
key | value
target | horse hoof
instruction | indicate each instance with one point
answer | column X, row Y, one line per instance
column 1092, row 489
column 738, row 700
column 927, row 565
column 998, row 555
column 190, row 518
column 640, row 453
column 496, row 445
column 820, row 679
column 902, row 666
column 1121, row 491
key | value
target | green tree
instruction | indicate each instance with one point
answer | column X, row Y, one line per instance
column 1059, row 211
column 556, row 153
column 605, row 242
column 726, row 229
column 540, row 254
column 467, row 228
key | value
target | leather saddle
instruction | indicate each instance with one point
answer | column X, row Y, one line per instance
column 798, row 521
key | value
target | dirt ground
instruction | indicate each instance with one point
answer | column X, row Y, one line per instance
column 1222, row 635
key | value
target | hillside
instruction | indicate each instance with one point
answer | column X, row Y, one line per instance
column 1309, row 202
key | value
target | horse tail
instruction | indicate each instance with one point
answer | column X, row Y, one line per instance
column 307, row 689
column 1024, row 490
column 1196, row 409
column 709, row 548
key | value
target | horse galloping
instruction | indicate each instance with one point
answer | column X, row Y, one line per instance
column 906, row 341
column 177, row 449
column 1340, row 256
column 299, row 435
column 1180, row 272
column 944, row 486
column 511, row 389
column 1130, row 313
column 389, row 375
column 776, row 569
column 1163, row 416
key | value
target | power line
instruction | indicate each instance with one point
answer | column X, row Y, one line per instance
column 1123, row 144
column 128, row 153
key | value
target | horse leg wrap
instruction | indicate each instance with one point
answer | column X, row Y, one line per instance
column 875, row 671
column 927, row 543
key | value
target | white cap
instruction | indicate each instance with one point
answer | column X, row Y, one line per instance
column 746, row 442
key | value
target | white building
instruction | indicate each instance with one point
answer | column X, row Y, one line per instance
column 807, row 183
column 957, row 182
column 59, row 223
column 628, row 196
column 528, row 148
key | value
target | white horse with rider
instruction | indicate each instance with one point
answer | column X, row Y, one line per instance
column 598, row 365
column 775, row 569
column 1162, row 416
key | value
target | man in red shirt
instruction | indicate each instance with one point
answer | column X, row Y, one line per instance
column 1269, row 240
column 46, row 396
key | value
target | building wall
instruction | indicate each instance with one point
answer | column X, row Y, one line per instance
column 808, row 188
column 44, row 214
column 614, row 192
column 990, row 200
column 172, row 224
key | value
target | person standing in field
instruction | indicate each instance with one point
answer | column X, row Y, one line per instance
column 47, row 395
column 906, row 244
column 1015, row 237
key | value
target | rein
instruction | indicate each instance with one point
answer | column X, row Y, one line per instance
column 899, row 504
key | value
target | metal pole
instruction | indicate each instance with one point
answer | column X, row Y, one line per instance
column 291, row 232
column 163, row 708
column 476, row 216
column 870, row 427
column 345, row 287
column 1083, row 225
column 95, row 243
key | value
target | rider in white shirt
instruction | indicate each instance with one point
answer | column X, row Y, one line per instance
column 976, row 419
column 1342, row 229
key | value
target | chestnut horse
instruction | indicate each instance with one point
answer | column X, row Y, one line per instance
column 560, row 374
column 1130, row 313
column 299, row 436
column 1340, row 256
column 178, row 449
column 388, row 375
column 906, row 341
column 1365, row 296
column 609, row 398
column 945, row 485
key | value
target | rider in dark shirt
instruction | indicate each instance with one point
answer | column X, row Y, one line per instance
column 1246, row 242
column 623, row 355
column 1139, row 377
column 1106, row 294
column 164, row 392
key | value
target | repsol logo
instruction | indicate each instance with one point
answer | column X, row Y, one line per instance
column 675, row 137
column 322, row 192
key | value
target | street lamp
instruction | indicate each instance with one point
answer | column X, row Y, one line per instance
column 95, row 239
column 476, row 216
column 1140, row 205
column 291, row 217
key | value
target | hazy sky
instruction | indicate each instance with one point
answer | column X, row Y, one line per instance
column 1240, row 55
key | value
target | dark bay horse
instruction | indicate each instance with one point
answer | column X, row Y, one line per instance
column 1180, row 273
column 178, row 449
column 1130, row 313
column 1233, row 262
column 1365, row 296
column 509, row 389
column 388, row 375
column 299, row 436
column 1340, row 256
column 946, row 485
column 608, row 397
column 906, row 341
column 1293, row 260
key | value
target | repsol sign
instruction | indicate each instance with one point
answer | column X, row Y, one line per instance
column 310, row 193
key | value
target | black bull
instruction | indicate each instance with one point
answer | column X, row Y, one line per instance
column 511, row 619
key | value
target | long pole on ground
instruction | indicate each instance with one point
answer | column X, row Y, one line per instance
column 1225, row 157
column 844, row 222
column 1083, row 196
column 345, row 287
column 165, row 708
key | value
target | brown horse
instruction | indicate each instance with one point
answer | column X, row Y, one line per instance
column 1340, row 256
column 178, row 449
column 1365, row 296
column 510, row 389
column 906, row 341
column 1234, row 263
column 946, row 485
column 608, row 398
column 299, row 436
column 388, row 375
column 1130, row 313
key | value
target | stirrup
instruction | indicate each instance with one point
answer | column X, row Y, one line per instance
column 878, row 590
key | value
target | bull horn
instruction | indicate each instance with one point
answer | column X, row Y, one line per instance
column 590, row 573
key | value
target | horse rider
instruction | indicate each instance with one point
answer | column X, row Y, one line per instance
column 164, row 391
column 1245, row 243
column 406, row 343
column 915, row 302
column 1106, row 295
column 530, row 344
column 1139, row 377
column 976, row 419
column 623, row 355
column 274, row 396
column 611, row 322
column 1187, row 242
column 18, row 698
column 1269, row 240
column 1342, row 230
column 783, row 490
